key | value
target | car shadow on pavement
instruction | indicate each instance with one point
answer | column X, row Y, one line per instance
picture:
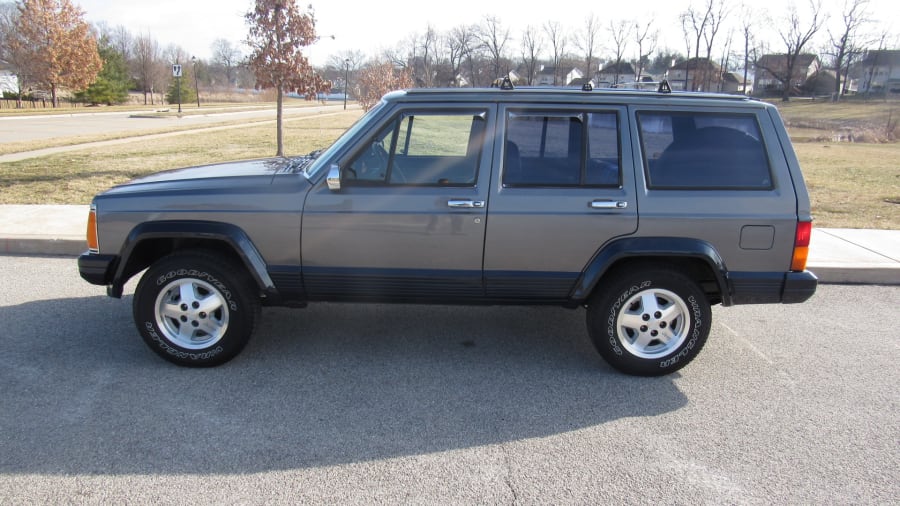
column 330, row 384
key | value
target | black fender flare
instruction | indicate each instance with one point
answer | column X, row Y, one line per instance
column 649, row 247
column 229, row 234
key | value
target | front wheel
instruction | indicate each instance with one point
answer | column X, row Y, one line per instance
column 195, row 309
column 649, row 322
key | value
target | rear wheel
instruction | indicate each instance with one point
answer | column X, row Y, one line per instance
column 195, row 309
column 649, row 322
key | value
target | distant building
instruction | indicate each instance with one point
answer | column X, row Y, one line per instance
column 879, row 72
column 9, row 82
column 547, row 76
column 695, row 74
column 612, row 75
column 771, row 72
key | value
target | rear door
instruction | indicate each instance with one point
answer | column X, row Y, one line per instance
column 566, row 187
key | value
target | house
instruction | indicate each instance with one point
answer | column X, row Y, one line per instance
column 771, row 72
column 695, row 74
column 732, row 82
column 613, row 75
column 880, row 71
column 547, row 76
column 9, row 82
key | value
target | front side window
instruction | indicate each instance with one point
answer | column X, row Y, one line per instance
column 561, row 149
column 422, row 150
column 703, row 151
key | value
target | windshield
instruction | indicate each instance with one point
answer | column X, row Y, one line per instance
column 311, row 169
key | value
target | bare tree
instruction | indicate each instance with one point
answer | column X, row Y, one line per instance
column 147, row 65
column 619, row 32
column 747, row 30
column 457, row 42
column 844, row 44
column 646, row 36
column 795, row 35
column 494, row 37
column 693, row 23
column 532, row 45
column 428, row 49
column 228, row 56
column 587, row 41
column 717, row 11
column 464, row 40
column 558, row 40
column 278, row 33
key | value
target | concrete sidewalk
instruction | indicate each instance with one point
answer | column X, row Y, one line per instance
column 836, row 255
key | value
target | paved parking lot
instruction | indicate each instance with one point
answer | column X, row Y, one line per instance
column 435, row 404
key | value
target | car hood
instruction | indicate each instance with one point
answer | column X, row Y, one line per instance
column 263, row 167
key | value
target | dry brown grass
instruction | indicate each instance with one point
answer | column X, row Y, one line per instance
column 852, row 185
column 74, row 177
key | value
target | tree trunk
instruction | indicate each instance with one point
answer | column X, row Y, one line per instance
column 278, row 132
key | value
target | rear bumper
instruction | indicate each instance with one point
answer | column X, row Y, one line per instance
column 771, row 287
column 97, row 269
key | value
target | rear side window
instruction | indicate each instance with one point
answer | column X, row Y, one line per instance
column 703, row 151
column 561, row 149
column 427, row 149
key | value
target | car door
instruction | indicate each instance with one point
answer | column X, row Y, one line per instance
column 566, row 187
column 408, row 222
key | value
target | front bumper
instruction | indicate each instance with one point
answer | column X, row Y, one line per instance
column 97, row 269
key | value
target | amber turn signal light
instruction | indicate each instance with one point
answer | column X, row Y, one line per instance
column 93, row 242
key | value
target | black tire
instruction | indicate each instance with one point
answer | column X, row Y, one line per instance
column 648, row 322
column 195, row 309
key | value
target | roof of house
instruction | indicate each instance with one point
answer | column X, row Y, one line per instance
column 882, row 57
column 779, row 61
column 621, row 68
column 696, row 64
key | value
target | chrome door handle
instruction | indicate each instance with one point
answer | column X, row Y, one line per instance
column 465, row 204
column 608, row 204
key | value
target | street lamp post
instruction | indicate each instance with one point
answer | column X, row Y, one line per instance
column 346, row 80
column 178, row 84
column 196, row 82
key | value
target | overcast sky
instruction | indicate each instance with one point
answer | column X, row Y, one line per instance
column 372, row 26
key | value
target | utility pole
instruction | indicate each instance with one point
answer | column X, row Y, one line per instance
column 346, row 80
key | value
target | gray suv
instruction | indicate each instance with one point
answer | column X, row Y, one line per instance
column 645, row 208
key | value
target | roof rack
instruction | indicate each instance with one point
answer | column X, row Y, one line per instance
column 503, row 83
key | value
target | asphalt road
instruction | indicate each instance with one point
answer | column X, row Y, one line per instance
column 42, row 127
column 366, row 403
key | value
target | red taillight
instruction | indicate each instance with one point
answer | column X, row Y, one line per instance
column 801, row 246
column 93, row 242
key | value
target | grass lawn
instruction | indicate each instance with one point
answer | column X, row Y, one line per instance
column 851, row 185
column 74, row 177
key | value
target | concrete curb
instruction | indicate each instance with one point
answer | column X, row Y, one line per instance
column 39, row 246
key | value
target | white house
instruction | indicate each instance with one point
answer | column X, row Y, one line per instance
column 9, row 82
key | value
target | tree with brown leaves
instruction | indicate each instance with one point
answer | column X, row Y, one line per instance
column 278, row 33
column 58, row 45
column 378, row 79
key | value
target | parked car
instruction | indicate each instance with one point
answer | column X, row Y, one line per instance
column 644, row 208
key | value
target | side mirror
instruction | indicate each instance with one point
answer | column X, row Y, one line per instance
column 334, row 178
